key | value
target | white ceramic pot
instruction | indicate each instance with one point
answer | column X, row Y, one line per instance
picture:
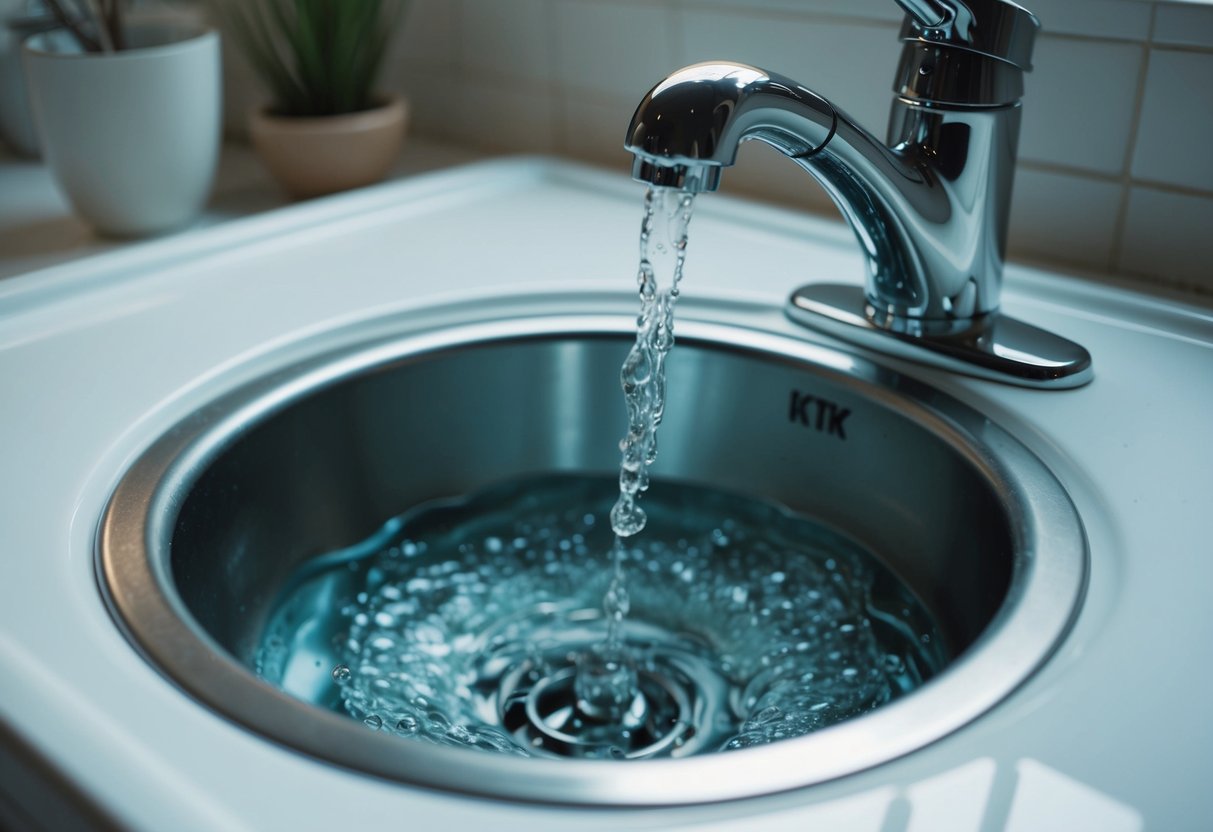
column 132, row 137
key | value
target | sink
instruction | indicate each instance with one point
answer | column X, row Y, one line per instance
column 314, row 453
column 147, row 373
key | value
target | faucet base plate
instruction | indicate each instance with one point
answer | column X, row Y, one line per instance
column 996, row 347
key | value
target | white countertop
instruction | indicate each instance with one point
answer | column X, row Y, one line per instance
column 39, row 230
column 102, row 352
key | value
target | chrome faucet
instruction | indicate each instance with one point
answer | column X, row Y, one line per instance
column 929, row 208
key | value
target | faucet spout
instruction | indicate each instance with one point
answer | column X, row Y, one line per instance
column 930, row 259
column 929, row 205
column 689, row 126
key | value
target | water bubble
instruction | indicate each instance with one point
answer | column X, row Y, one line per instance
column 485, row 628
column 341, row 673
column 627, row 518
column 373, row 721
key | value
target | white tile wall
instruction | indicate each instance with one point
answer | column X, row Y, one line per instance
column 428, row 37
column 508, row 41
column 609, row 48
column 1175, row 139
column 592, row 129
column 1184, row 24
column 1123, row 19
column 1169, row 235
column 1063, row 218
column 1079, row 103
column 1116, row 174
column 866, row 9
column 505, row 118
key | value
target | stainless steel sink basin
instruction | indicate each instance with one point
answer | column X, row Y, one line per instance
column 204, row 529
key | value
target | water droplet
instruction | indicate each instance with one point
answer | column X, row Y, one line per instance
column 373, row 721
column 341, row 673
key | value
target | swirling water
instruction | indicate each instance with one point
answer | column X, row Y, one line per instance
column 462, row 624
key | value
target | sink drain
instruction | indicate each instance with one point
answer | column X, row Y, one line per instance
column 547, row 715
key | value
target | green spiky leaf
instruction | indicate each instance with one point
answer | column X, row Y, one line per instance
column 318, row 57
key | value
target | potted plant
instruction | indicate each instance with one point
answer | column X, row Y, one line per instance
column 327, row 128
column 129, row 113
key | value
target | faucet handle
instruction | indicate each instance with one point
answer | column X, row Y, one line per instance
column 927, row 13
column 996, row 28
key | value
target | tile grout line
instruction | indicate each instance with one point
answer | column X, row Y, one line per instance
column 1060, row 169
column 1122, row 215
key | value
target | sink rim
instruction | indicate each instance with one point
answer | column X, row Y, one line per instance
column 140, row 515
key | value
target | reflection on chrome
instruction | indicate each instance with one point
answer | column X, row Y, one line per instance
column 929, row 206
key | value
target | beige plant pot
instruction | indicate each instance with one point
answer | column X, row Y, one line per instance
column 323, row 155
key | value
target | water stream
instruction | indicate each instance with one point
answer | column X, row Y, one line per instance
column 606, row 682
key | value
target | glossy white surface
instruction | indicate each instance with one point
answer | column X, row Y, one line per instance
column 100, row 355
